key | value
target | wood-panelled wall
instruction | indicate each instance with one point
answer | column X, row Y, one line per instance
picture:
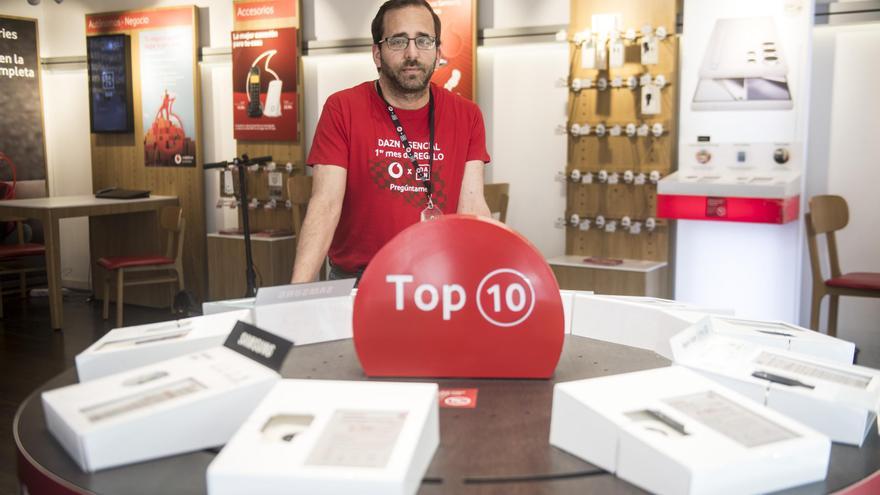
column 281, row 152
column 621, row 153
column 118, row 160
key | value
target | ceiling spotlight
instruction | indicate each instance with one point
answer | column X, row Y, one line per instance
column 33, row 2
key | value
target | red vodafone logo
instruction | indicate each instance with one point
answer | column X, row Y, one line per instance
column 458, row 297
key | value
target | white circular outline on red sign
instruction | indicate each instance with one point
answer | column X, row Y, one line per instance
column 480, row 304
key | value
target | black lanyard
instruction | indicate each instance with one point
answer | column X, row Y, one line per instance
column 398, row 126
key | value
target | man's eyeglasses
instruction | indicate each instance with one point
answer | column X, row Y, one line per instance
column 398, row 43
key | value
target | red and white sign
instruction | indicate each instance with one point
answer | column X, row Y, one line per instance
column 457, row 42
column 458, row 398
column 142, row 19
column 459, row 297
column 264, row 9
column 754, row 210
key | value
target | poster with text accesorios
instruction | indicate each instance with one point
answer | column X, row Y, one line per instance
column 167, row 97
column 264, row 82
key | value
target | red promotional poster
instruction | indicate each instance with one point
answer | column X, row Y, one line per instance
column 264, row 85
column 459, row 296
column 456, row 71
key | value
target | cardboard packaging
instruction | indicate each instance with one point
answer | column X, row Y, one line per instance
column 187, row 403
column 672, row 431
column 332, row 437
column 836, row 399
column 642, row 322
column 785, row 336
column 131, row 347
column 301, row 313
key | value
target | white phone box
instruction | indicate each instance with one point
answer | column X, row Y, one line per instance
column 332, row 437
column 184, row 404
column 839, row 400
column 785, row 336
column 672, row 431
column 131, row 347
column 643, row 322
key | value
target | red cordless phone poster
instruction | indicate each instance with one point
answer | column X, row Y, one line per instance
column 456, row 70
column 264, row 85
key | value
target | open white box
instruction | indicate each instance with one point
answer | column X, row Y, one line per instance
column 301, row 313
column 836, row 399
column 642, row 322
column 332, row 437
column 184, row 404
column 785, row 336
column 672, row 431
column 130, row 347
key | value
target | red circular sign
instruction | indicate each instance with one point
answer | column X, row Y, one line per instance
column 460, row 296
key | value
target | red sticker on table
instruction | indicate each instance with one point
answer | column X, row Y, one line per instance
column 460, row 296
column 458, row 398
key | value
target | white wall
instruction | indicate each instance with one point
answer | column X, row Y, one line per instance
column 844, row 151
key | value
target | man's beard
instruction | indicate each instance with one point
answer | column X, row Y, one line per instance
column 412, row 83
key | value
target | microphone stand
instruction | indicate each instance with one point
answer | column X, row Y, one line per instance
column 241, row 163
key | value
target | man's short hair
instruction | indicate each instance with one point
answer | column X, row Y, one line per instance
column 378, row 26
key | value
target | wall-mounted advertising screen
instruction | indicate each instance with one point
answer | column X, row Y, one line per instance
column 110, row 105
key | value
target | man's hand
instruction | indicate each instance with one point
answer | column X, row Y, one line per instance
column 322, row 216
column 471, row 200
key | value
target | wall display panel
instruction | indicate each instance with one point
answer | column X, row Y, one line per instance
column 270, row 205
column 742, row 155
column 458, row 46
column 109, row 70
column 743, row 112
column 264, row 75
column 163, row 153
column 622, row 128
column 22, row 139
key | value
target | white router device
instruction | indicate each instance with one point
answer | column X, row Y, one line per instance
column 744, row 68
column 273, row 99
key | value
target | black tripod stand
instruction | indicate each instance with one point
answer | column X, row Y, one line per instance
column 241, row 163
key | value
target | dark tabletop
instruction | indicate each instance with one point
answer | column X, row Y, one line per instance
column 501, row 446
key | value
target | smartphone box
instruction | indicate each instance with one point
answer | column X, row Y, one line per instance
column 672, row 431
column 184, row 404
column 332, row 437
column 839, row 400
column 302, row 313
column 642, row 322
column 131, row 347
column 785, row 336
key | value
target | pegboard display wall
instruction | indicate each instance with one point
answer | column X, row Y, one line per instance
column 288, row 156
column 623, row 101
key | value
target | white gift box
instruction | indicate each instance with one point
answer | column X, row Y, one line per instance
column 642, row 322
column 332, row 437
column 300, row 313
column 131, row 347
column 836, row 399
column 672, row 431
column 184, row 404
column 786, row 336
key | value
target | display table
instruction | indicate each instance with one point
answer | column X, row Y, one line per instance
column 501, row 446
column 49, row 211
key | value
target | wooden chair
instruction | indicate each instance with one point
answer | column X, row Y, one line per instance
column 299, row 190
column 20, row 259
column 168, row 267
column 497, row 197
column 827, row 215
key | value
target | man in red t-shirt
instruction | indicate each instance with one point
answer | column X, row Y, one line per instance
column 375, row 169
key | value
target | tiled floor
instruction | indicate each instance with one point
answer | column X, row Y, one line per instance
column 31, row 353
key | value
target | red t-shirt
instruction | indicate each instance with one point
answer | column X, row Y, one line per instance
column 382, row 195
